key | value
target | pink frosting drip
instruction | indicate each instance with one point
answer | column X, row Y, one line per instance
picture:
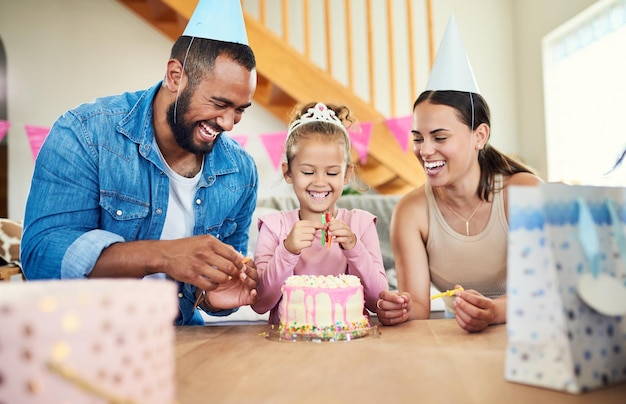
column 339, row 296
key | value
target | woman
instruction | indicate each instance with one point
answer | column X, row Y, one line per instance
column 452, row 231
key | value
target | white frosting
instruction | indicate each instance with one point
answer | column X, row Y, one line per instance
column 321, row 281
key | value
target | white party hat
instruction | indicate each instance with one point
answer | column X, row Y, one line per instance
column 452, row 69
column 221, row 20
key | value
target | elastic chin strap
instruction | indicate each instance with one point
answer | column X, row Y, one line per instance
column 472, row 102
column 178, row 89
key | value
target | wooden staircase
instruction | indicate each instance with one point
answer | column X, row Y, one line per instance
column 287, row 78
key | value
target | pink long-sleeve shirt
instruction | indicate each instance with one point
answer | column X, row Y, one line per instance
column 275, row 263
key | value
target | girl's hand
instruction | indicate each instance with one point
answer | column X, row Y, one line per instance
column 473, row 311
column 393, row 307
column 301, row 235
column 341, row 233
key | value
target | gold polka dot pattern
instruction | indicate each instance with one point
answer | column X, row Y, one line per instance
column 87, row 341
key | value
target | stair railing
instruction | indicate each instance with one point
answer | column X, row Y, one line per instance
column 377, row 48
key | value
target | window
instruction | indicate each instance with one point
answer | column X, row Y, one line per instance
column 584, row 63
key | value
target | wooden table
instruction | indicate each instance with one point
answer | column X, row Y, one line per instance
column 425, row 361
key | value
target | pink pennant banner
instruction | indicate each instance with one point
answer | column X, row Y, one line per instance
column 401, row 129
column 274, row 144
column 361, row 140
column 241, row 139
column 4, row 127
column 36, row 136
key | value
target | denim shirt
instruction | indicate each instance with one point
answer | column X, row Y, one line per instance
column 98, row 180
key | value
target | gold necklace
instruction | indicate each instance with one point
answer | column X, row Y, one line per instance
column 467, row 222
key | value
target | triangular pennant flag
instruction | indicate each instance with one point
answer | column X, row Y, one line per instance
column 361, row 140
column 274, row 145
column 401, row 129
column 4, row 127
column 36, row 136
column 241, row 139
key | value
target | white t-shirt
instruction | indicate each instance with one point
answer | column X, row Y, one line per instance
column 180, row 217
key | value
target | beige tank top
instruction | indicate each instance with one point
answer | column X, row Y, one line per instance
column 476, row 262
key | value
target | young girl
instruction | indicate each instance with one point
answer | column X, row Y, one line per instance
column 290, row 243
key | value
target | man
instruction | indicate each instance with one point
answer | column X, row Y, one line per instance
column 145, row 183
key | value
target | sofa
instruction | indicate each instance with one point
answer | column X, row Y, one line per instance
column 10, row 239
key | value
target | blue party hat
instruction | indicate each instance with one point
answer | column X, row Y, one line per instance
column 221, row 20
column 452, row 69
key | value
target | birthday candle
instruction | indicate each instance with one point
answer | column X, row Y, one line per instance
column 446, row 293
column 329, row 238
column 324, row 229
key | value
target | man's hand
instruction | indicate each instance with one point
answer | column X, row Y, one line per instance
column 203, row 261
column 238, row 291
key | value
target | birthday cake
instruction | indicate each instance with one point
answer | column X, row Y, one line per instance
column 87, row 341
column 323, row 307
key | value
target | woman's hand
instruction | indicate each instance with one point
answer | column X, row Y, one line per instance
column 473, row 312
column 393, row 307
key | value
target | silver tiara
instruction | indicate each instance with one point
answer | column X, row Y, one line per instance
column 318, row 113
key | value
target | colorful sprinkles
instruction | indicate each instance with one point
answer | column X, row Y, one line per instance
column 336, row 332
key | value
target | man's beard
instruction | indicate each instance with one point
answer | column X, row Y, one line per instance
column 183, row 129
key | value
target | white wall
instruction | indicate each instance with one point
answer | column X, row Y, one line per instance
column 485, row 26
column 535, row 19
column 503, row 42
column 65, row 52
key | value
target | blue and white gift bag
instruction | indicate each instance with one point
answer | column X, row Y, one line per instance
column 566, row 287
